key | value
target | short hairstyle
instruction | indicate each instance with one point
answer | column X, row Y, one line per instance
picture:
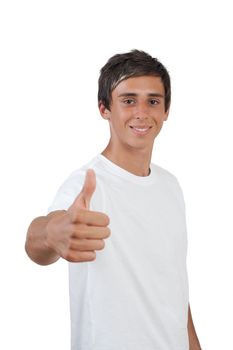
column 127, row 65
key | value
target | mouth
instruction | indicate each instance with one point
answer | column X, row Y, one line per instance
column 140, row 130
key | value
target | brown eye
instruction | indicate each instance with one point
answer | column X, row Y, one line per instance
column 128, row 101
column 154, row 102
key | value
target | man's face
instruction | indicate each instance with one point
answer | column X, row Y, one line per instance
column 137, row 112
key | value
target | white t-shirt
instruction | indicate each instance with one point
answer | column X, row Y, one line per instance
column 134, row 296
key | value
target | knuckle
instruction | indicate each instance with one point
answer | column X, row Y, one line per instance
column 105, row 232
column 69, row 257
column 101, row 244
column 80, row 244
column 107, row 220
column 80, row 216
column 93, row 256
column 78, row 230
column 88, row 256
column 71, row 230
column 108, row 232
column 80, row 256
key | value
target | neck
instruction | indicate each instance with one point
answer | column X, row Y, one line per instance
column 136, row 162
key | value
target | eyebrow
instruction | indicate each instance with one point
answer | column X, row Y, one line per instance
column 132, row 94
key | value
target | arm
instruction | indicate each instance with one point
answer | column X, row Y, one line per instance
column 193, row 339
column 36, row 242
column 72, row 234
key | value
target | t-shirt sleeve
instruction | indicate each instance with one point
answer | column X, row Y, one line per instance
column 68, row 191
column 181, row 200
column 181, row 196
column 177, row 191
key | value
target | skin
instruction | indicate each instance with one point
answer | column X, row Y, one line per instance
column 77, row 233
column 132, row 104
column 74, row 234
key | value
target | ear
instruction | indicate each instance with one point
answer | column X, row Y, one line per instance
column 166, row 114
column 105, row 113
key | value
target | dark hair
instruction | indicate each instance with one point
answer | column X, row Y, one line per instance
column 131, row 64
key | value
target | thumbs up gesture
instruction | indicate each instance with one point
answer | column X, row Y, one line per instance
column 77, row 233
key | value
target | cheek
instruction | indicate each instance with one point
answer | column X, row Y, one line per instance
column 121, row 117
column 159, row 116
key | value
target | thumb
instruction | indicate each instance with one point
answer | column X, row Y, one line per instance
column 82, row 201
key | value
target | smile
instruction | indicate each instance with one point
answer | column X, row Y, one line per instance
column 140, row 130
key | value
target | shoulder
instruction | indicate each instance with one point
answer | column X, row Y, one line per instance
column 163, row 174
column 71, row 187
column 170, row 181
column 77, row 176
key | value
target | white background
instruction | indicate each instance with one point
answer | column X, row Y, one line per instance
column 51, row 53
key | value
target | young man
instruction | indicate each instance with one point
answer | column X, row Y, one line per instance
column 128, row 289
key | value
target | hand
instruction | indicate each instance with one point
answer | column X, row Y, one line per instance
column 77, row 233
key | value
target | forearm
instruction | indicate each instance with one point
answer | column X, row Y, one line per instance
column 193, row 339
column 35, row 245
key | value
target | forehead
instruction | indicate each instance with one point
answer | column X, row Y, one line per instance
column 139, row 85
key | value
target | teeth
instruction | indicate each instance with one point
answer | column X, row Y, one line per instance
column 141, row 129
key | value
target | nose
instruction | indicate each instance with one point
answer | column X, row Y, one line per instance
column 141, row 116
column 142, row 111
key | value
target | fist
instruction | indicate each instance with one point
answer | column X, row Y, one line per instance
column 77, row 233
